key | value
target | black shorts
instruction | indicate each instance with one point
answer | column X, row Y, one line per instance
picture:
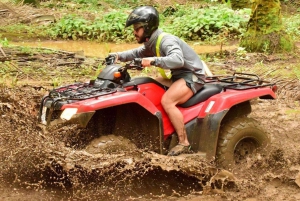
column 195, row 83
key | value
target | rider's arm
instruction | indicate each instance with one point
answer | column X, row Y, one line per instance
column 129, row 55
column 171, row 54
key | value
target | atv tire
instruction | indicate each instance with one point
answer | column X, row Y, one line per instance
column 110, row 144
column 237, row 140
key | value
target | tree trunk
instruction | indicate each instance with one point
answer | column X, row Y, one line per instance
column 240, row 4
column 35, row 3
column 265, row 32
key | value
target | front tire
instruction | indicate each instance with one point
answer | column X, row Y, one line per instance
column 238, row 139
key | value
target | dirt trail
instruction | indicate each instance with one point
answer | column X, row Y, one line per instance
column 43, row 166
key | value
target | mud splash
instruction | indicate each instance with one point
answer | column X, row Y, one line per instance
column 34, row 161
column 39, row 165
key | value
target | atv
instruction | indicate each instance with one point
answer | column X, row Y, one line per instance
column 216, row 117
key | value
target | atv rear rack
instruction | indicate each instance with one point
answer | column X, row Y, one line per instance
column 240, row 81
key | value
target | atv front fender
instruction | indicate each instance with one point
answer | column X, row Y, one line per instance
column 118, row 98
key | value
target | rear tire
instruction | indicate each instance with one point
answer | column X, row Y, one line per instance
column 238, row 139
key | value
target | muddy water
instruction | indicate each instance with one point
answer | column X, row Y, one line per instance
column 94, row 49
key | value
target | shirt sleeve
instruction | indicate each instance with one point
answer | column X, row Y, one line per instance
column 129, row 55
column 171, row 54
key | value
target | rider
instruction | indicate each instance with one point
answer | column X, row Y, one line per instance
column 185, row 65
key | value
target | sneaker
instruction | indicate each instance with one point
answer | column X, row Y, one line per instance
column 180, row 149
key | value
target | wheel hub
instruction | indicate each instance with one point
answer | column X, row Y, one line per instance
column 244, row 148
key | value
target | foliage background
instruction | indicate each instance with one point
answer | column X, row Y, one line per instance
column 204, row 21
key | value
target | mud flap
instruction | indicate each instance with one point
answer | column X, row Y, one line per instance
column 204, row 137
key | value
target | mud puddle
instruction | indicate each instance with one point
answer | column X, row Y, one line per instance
column 101, row 50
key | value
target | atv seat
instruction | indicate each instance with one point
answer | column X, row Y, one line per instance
column 143, row 80
column 203, row 94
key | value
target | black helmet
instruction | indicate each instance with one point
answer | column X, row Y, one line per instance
column 147, row 15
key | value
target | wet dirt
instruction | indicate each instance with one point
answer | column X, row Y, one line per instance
column 38, row 165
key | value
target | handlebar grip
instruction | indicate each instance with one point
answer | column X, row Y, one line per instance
column 138, row 61
column 110, row 59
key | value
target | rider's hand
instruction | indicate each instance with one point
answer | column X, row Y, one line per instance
column 115, row 55
column 148, row 61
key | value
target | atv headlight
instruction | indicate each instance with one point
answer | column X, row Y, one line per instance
column 68, row 113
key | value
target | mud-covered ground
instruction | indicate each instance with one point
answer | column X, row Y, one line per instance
column 42, row 165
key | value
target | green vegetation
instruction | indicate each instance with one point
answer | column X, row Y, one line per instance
column 96, row 20
column 265, row 30
column 104, row 21
column 4, row 42
column 292, row 26
column 108, row 28
column 91, row 20
column 207, row 24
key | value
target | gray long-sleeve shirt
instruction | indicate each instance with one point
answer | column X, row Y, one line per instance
column 176, row 55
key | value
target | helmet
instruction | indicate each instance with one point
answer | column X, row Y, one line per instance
column 147, row 15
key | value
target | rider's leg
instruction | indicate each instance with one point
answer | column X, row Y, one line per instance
column 178, row 93
column 164, row 81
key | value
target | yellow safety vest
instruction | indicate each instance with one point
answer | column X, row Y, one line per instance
column 161, row 70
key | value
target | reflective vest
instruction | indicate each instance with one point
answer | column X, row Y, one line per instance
column 161, row 70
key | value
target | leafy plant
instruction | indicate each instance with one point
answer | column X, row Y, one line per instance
column 108, row 28
column 4, row 42
column 70, row 26
column 204, row 24
column 292, row 25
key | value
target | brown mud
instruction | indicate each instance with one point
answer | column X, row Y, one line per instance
column 38, row 165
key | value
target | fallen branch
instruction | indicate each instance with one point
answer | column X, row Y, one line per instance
column 16, row 67
column 1, row 50
column 4, row 11
column 68, row 63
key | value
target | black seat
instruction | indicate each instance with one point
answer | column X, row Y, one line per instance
column 143, row 80
column 203, row 94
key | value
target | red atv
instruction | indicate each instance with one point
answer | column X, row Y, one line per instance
column 215, row 118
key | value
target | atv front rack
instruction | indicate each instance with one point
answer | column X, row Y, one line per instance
column 240, row 81
column 79, row 91
column 68, row 94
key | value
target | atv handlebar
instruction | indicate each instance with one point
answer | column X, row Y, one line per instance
column 134, row 64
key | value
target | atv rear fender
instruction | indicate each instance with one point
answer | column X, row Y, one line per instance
column 226, row 100
column 218, row 110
